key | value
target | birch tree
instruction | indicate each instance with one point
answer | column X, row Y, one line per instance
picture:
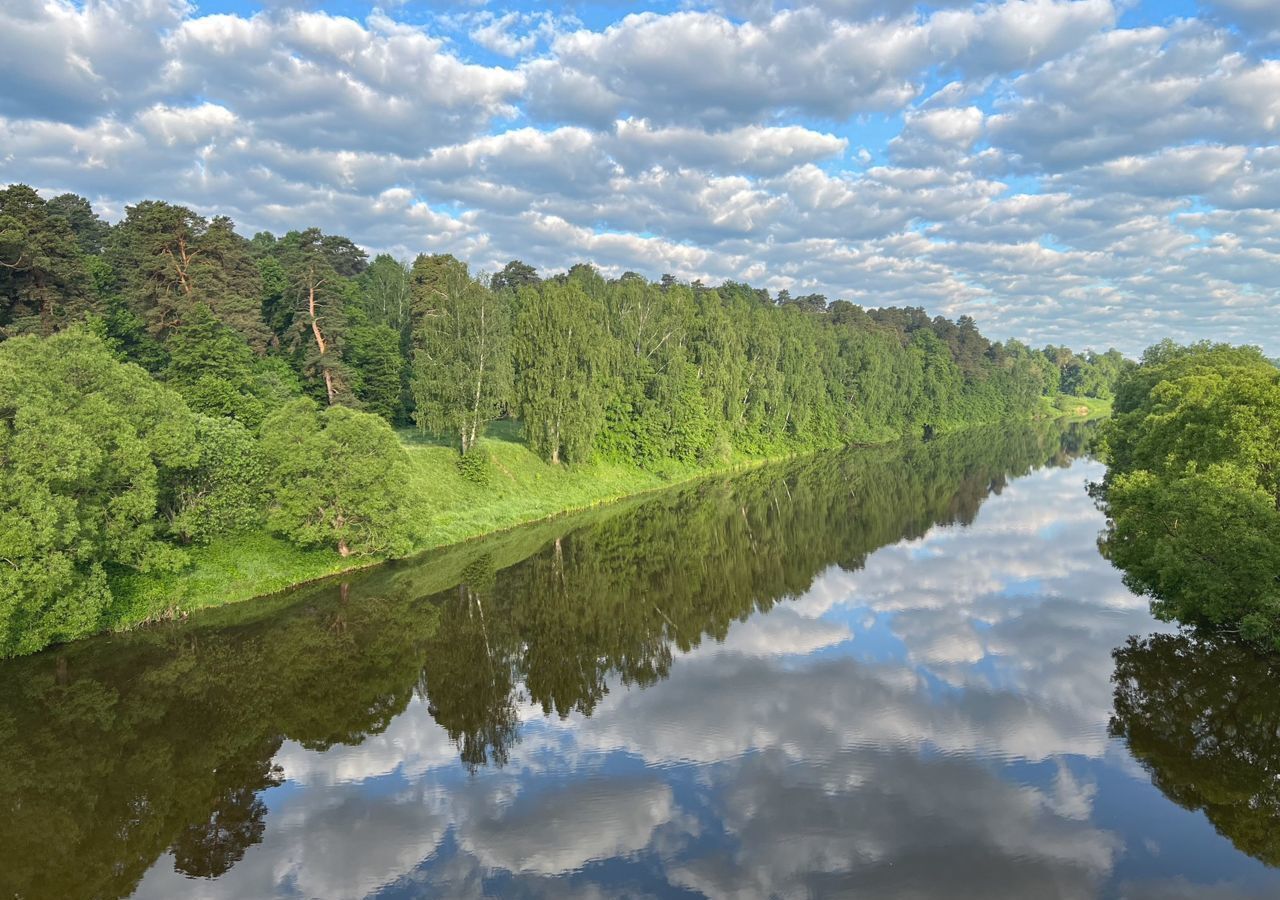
column 560, row 351
column 462, row 350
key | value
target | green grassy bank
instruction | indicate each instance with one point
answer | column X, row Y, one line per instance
column 521, row 489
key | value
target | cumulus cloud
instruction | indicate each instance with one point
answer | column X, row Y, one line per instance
column 1027, row 162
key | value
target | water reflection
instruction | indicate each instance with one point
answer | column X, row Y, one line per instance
column 1202, row 715
column 845, row 675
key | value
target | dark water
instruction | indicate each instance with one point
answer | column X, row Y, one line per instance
column 883, row 673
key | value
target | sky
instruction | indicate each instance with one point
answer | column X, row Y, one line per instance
column 1088, row 172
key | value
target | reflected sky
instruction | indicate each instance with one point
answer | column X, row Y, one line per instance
column 934, row 723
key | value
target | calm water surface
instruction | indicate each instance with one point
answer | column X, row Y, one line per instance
column 898, row 672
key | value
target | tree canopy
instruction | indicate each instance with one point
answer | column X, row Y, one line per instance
column 1192, row 491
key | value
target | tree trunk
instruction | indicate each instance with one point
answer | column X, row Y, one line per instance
column 343, row 550
column 329, row 386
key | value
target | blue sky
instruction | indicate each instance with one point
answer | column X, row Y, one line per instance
column 1089, row 172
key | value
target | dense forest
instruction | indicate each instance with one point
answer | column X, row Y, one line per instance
column 165, row 381
column 1192, row 491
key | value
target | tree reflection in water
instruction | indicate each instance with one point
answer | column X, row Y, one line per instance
column 117, row 750
column 1202, row 715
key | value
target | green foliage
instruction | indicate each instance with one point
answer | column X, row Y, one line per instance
column 44, row 285
column 377, row 370
column 89, row 229
column 385, row 293
column 222, row 492
column 312, row 308
column 476, row 466
column 1192, row 491
column 169, row 260
column 337, row 479
column 462, row 350
column 560, row 354
column 214, row 369
column 87, row 445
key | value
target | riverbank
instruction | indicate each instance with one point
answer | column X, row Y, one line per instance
column 522, row 489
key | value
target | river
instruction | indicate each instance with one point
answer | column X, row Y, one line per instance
column 887, row 672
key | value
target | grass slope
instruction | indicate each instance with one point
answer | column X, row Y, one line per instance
column 450, row 508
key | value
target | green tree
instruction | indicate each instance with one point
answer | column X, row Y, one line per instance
column 385, row 292
column 377, row 369
column 214, row 369
column 560, row 358
column 221, row 492
column 169, row 260
column 87, row 447
column 87, row 226
column 44, row 285
column 1192, row 491
column 316, row 297
column 462, row 350
column 337, row 479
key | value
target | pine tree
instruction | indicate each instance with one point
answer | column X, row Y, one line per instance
column 44, row 285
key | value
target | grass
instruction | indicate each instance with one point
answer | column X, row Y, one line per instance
column 1064, row 407
column 449, row 509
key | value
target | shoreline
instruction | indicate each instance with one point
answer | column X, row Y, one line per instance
column 258, row 566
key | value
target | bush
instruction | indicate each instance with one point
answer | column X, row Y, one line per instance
column 338, row 479
column 476, row 466
column 86, row 446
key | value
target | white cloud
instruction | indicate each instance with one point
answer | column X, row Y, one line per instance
column 1070, row 181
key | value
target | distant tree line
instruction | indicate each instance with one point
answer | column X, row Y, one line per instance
column 1192, row 490
column 165, row 380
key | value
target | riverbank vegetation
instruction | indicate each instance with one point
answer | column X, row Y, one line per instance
column 188, row 416
column 1192, row 491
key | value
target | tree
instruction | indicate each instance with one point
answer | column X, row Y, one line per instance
column 221, row 491
column 44, row 285
column 316, row 331
column 559, row 355
column 1192, row 491
column 89, row 229
column 213, row 368
column 462, row 351
column 386, row 293
column 87, row 445
column 337, row 479
column 514, row 276
column 169, row 260
column 377, row 369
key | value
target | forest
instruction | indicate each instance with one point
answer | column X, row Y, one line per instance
column 166, row 382
column 1192, row 490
